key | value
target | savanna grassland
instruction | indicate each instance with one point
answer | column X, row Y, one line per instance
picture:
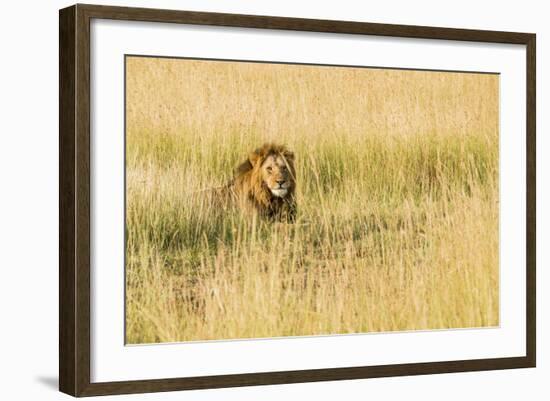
column 397, row 225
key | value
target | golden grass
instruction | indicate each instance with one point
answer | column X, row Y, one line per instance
column 397, row 224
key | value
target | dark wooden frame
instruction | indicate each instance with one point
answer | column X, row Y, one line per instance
column 74, row 199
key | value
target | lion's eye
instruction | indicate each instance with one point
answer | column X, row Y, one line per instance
column 269, row 169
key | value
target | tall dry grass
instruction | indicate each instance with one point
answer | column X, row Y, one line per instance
column 397, row 224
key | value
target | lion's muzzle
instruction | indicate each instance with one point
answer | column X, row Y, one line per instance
column 279, row 192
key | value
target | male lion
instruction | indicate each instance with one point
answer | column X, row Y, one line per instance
column 265, row 183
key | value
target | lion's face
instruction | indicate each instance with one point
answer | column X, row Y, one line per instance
column 277, row 174
column 266, row 181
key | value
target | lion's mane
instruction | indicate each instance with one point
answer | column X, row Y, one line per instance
column 250, row 191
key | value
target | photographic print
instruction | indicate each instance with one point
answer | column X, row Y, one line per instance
column 266, row 199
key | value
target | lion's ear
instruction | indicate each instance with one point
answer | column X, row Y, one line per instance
column 254, row 157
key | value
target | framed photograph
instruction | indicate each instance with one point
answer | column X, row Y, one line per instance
column 249, row 200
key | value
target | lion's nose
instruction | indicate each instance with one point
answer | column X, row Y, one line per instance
column 280, row 182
